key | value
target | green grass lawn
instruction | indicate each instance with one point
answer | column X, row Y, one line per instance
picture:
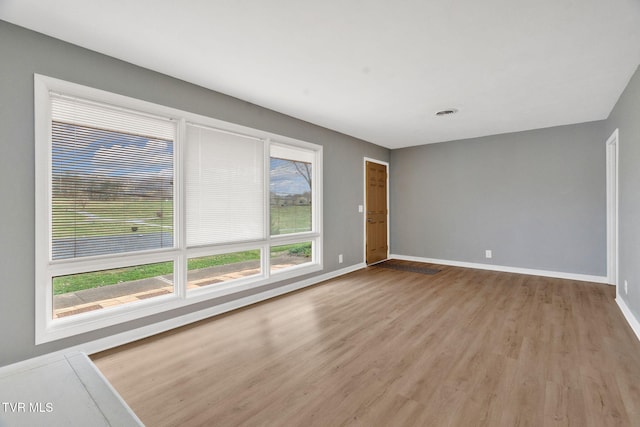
column 108, row 218
column 296, row 249
column 223, row 259
column 290, row 219
column 105, row 218
column 78, row 282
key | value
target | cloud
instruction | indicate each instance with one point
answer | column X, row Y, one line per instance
column 80, row 150
column 149, row 157
column 285, row 178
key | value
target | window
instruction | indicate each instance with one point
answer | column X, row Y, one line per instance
column 291, row 179
column 291, row 206
column 95, row 290
column 142, row 208
column 112, row 191
column 111, row 179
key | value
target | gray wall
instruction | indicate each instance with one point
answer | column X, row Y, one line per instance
column 626, row 117
column 23, row 53
column 535, row 198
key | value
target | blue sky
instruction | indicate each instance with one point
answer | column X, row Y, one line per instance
column 285, row 179
column 93, row 151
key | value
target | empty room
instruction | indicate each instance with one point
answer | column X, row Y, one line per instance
column 279, row 213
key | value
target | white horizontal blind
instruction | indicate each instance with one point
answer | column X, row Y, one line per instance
column 112, row 180
column 224, row 181
column 101, row 116
column 292, row 153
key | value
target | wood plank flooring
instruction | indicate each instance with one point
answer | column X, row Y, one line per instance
column 380, row 347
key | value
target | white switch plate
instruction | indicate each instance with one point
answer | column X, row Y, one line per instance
column 488, row 253
column 626, row 287
column 360, row 208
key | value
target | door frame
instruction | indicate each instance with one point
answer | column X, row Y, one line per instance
column 364, row 206
column 612, row 150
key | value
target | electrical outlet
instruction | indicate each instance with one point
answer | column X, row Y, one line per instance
column 626, row 287
column 340, row 259
column 488, row 253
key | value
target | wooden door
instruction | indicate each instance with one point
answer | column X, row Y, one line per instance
column 376, row 212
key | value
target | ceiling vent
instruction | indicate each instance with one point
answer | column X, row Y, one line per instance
column 446, row 112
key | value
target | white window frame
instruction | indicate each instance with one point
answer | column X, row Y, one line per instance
column 48, row 329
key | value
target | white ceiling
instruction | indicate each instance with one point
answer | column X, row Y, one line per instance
column 374, row 69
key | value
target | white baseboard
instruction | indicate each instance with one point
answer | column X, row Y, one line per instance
column 156, row 328
column 628, row 315
column 506, row 269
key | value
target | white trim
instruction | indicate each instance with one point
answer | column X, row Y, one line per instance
column 122, row 338
column 506, row 269
column 117, row 411
column 612, row 150
column 364, row 196
column 629, row 317
column 42, row 133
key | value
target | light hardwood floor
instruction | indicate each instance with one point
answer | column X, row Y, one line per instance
column 380, row 347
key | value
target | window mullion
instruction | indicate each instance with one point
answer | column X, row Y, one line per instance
column 180, row 277
column 266, row 258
